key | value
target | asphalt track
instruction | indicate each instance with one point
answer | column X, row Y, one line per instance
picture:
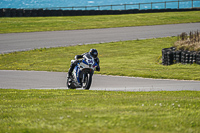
column 56, row 80
column 26, row 41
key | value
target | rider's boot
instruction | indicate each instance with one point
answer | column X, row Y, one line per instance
column 69, row 74
column 69, row 77
column 70, row 70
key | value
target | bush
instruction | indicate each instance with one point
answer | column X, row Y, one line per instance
column 189, row 42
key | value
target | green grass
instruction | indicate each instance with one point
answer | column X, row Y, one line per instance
column 100, row 111
column 80, row 111
column 138, row 58
column 32, row 24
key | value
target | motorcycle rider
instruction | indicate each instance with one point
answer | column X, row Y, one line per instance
column 92, row 52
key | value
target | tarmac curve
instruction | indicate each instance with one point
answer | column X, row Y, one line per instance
column 12, row 79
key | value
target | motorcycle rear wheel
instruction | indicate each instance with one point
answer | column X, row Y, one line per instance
column 69, row 85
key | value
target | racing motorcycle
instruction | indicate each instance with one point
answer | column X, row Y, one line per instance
column 82, row 73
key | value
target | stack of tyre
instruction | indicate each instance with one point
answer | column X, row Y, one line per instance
column 171, row 56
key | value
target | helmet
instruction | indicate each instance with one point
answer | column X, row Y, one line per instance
column 93, row 53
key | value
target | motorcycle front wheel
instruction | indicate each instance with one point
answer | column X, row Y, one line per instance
column 87, row 81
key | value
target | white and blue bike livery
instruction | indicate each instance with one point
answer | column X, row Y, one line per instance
column 82, row 73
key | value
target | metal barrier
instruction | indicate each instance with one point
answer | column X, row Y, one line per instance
column 132, row 6
column 61, row 11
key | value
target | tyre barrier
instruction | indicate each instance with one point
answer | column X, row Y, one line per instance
column 8, row 12
column 171, row 56
column 1, row 12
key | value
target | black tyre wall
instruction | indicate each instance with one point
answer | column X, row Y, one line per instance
column 171, row 56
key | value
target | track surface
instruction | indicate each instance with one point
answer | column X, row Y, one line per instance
column 56, row 80
column 25, row 41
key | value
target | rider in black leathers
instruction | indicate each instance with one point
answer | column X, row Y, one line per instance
column 93, row 53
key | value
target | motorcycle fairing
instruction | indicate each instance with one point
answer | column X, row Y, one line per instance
column 77, row 73
column 85, row 62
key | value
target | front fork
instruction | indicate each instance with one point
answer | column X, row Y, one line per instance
column 84, row 74
column 83, row 79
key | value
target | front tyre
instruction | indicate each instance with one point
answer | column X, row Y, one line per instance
column 87, row 81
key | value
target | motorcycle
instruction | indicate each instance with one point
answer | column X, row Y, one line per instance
column 82, row 73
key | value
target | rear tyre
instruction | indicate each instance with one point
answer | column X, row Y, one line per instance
column 87, row 81
column 69, row 84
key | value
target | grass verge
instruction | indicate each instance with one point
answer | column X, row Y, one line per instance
column 138, row 58
column 33, row 24
column 99, row 111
